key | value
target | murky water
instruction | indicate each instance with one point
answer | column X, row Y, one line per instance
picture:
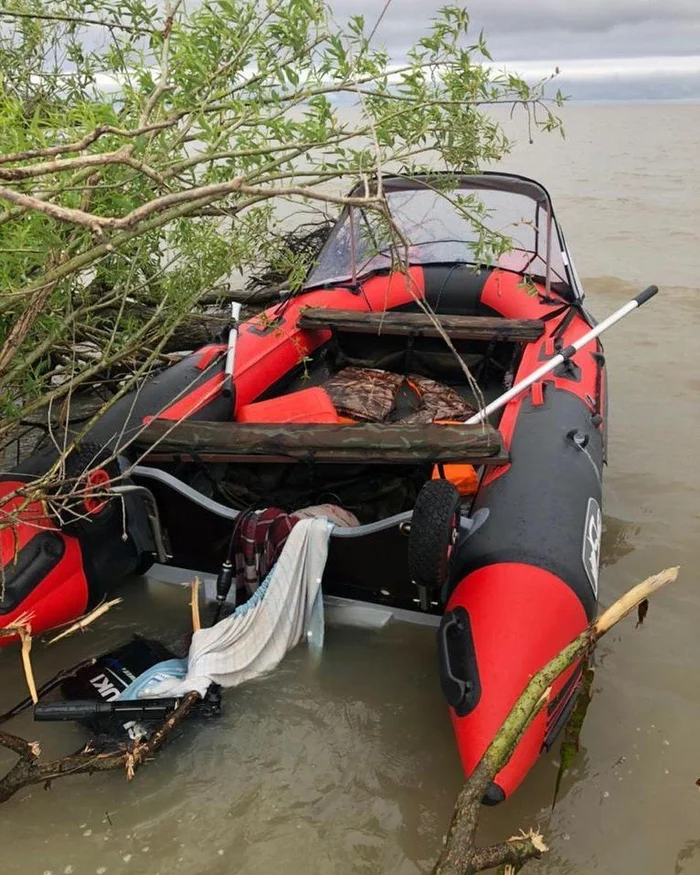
column 350, row 766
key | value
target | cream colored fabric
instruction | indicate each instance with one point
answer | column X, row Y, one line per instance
column 255, row 638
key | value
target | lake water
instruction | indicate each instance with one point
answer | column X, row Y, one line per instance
column 350, row 766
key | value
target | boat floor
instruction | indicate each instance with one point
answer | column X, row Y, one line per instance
column 337, row 610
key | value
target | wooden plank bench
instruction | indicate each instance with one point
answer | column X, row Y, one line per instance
column 380, row 443
column 422, row 325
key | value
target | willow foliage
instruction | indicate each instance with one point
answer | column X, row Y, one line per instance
column 145, row 151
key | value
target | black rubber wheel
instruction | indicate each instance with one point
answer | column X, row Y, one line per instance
column 88, row 475
column 434, row 529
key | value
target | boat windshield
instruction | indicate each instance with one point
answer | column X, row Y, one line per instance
column 440, row 232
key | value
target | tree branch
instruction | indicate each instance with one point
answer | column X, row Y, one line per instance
column 24, row 323
column 459, row 856
column 515, row 852
column 72, row 19
column 88, row 140
column 30, row 770
column 63, row 214
column 17, row 174
column 27, row 750
column 162, row 86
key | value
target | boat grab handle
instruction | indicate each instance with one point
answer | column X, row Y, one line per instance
column 459, row 676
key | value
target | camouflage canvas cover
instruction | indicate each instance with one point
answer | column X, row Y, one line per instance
column 363, row 393
column 437, row 401
column 370, row 394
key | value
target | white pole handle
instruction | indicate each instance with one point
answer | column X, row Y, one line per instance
column 231, row 350
column 561, row 357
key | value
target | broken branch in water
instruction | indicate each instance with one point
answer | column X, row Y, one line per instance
column 85, row 621
column 22, row 628
column 194, row 604
column 460, row 856
column 25, row 634
column 30, row 770
column 14, row 628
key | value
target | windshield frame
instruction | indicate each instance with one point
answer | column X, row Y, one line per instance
column 508, row 183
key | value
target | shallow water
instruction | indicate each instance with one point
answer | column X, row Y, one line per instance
column 350, row 766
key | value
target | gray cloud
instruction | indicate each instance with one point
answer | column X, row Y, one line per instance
column 556, row 29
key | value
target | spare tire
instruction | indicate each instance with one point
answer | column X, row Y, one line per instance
column 434, row 531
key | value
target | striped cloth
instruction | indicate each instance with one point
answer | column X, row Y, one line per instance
column 257, row 543
column 255, row 638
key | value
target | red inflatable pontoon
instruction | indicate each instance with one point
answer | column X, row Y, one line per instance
column 349, row 391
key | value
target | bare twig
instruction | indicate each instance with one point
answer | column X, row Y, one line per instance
column 30, row 770
column 89, row 138
column 385, row 7
column 162, row 86
column 25, row 634
column 194, row 603
column 28, row 750
column 72, row 19
column 84, row 622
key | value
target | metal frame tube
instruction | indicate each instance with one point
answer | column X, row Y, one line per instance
column 548, row 244
column 565, row 354
column 151, row 512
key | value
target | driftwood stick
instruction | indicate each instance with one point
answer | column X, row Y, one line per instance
column 196, row 620
column 632, row 599
column 30, row 770
column 85, row 621
column 460, row 856
column 513, row 853
column 26, row 636
column 28, row 750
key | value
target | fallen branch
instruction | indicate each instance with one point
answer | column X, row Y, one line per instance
column 460, row 856
column 25, row 634
column 196, row 620
column 23, row 630
column 24, row 323
column 85, row 621
column 30, row 770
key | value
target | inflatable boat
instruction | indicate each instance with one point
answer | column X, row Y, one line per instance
column 448, row 415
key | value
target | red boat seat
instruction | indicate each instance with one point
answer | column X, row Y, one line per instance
column 308, row 405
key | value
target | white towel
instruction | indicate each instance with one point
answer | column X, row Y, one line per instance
column 254, row 639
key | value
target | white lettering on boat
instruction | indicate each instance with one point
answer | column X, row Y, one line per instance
column 592, row 534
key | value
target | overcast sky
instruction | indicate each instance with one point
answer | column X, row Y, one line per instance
column 552, row 29
column 589, row 40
